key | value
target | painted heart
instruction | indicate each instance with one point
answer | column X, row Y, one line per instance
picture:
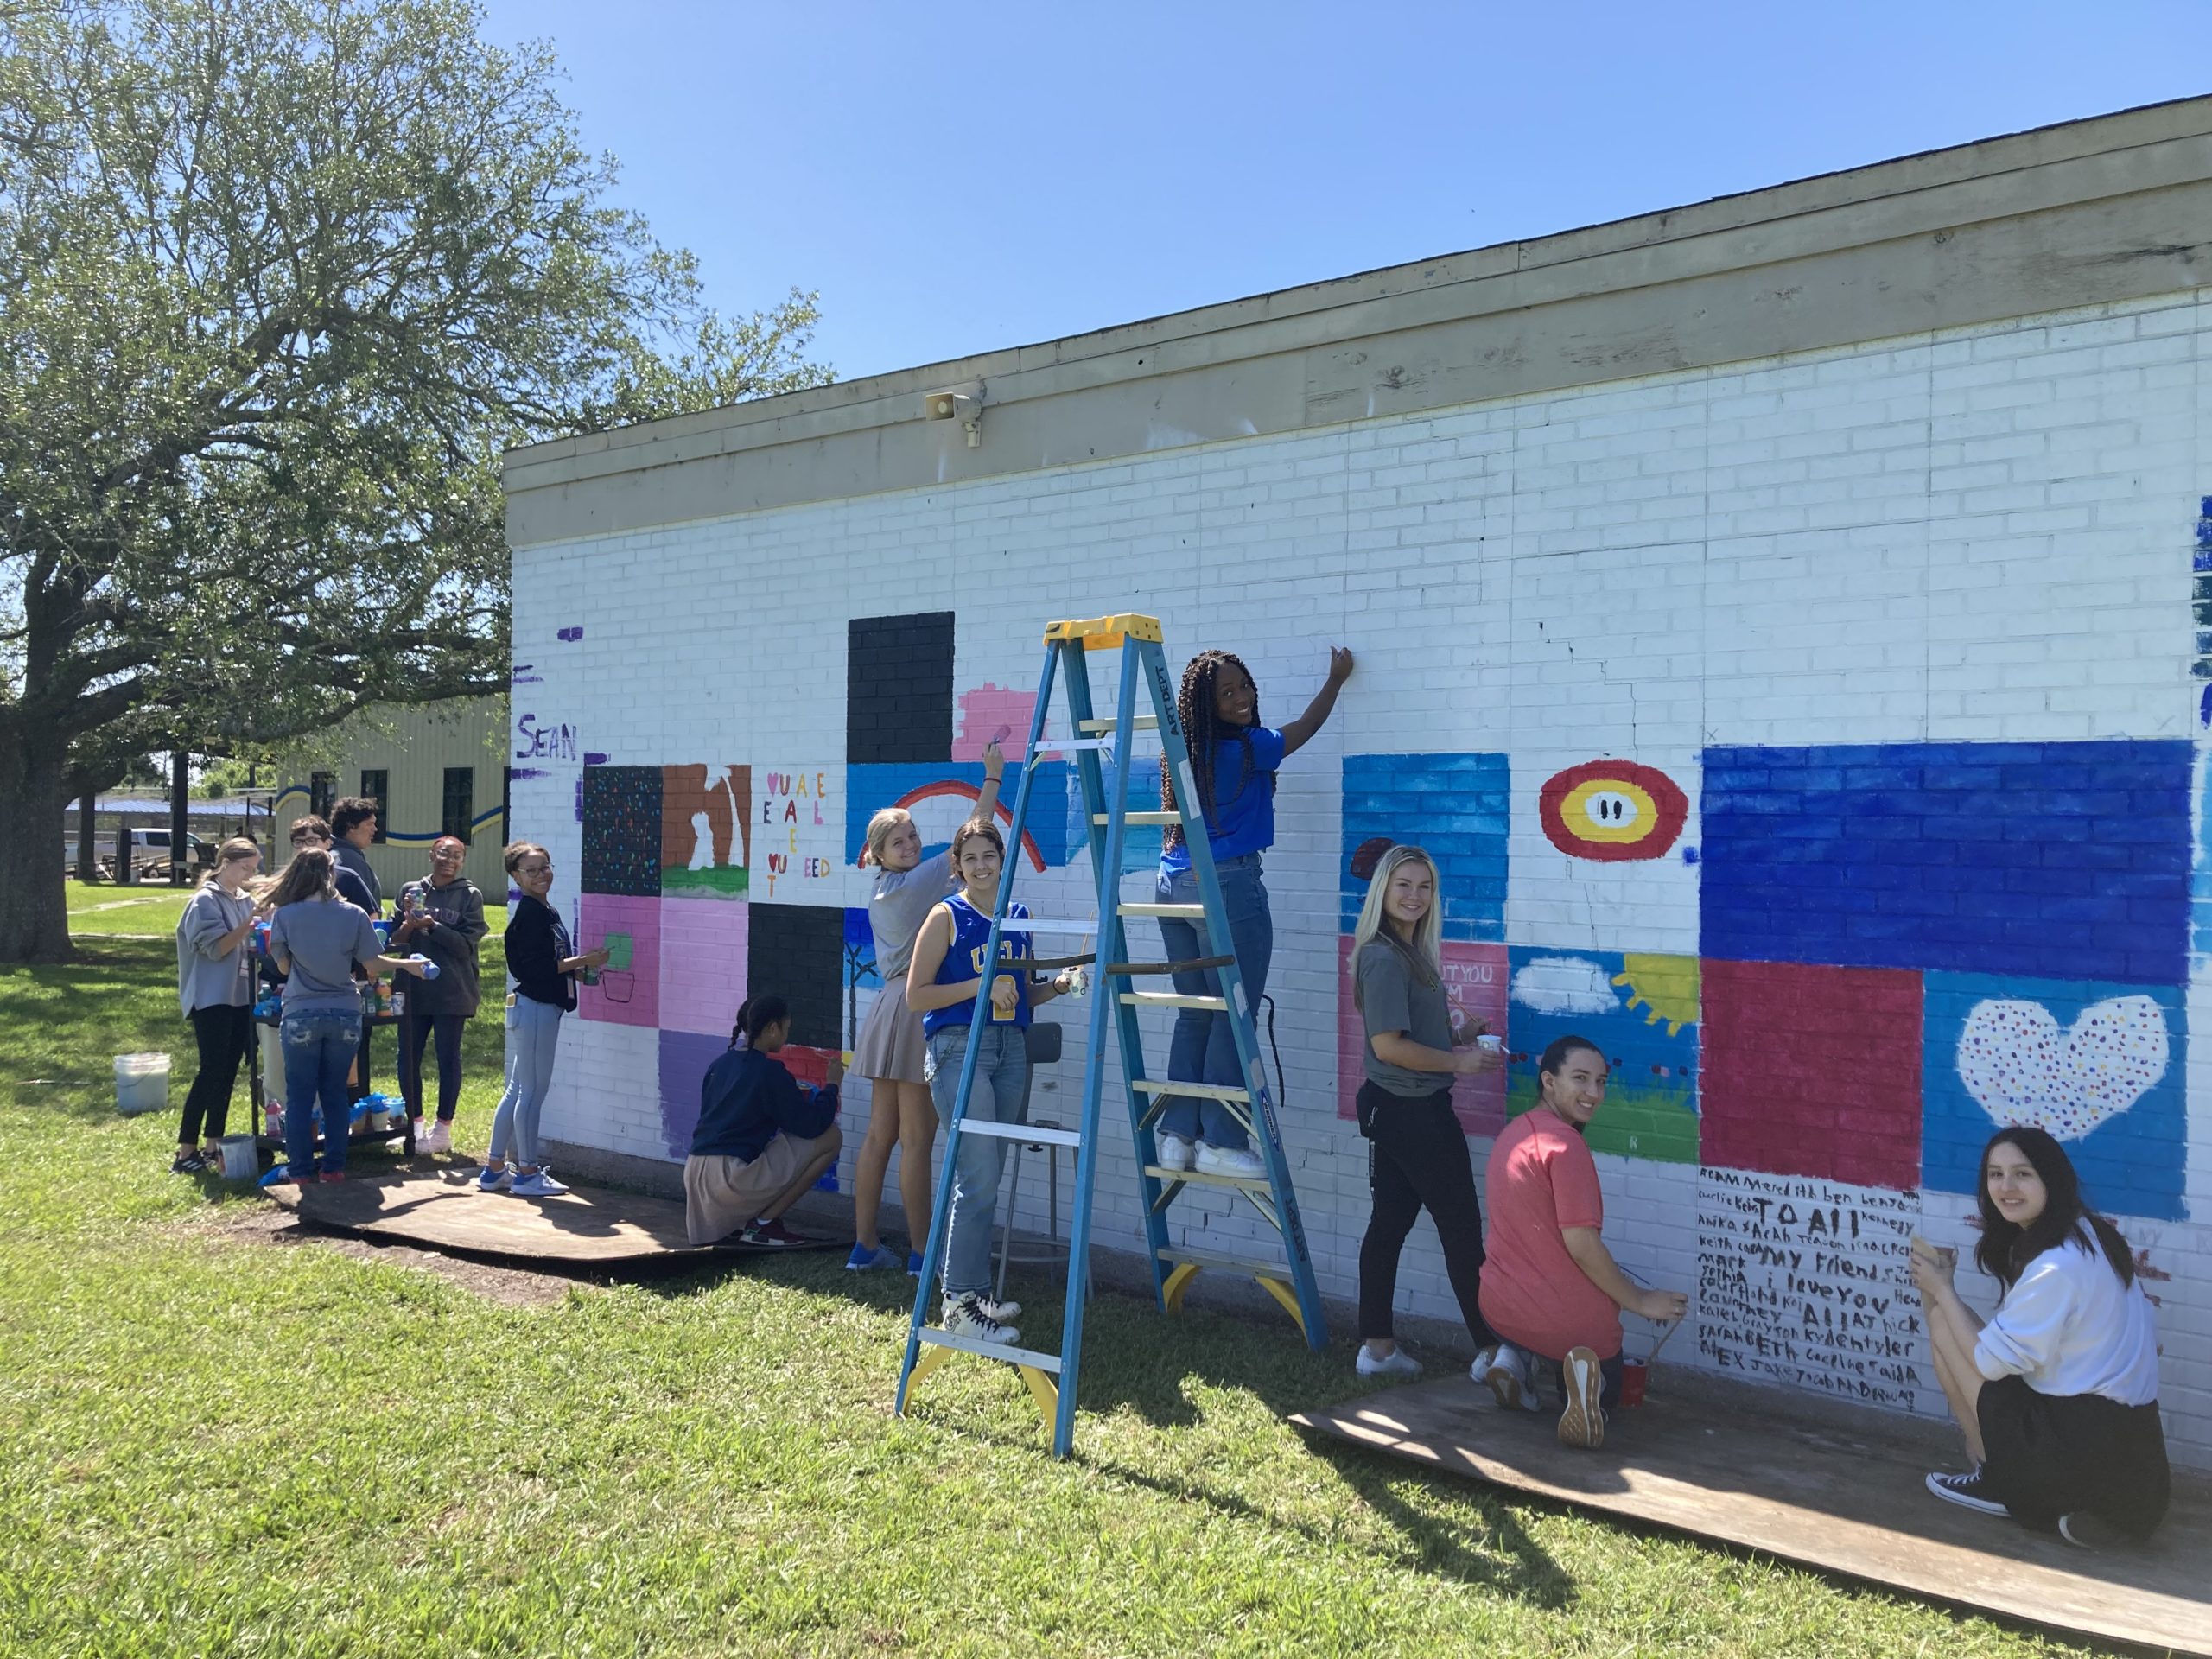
column 2023, row 1070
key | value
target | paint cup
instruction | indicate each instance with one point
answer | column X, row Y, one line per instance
column 240, row 1160
column 998, row 1018
column 1635, row 1373
column 1491, row 1041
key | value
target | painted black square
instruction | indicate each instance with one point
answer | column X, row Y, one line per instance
column 798, row 952
column 898, row 688
column 621, row 832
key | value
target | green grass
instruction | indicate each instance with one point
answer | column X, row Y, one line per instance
column 211, row 1446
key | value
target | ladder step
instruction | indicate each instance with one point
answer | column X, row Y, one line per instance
column 1196, row 1090
column 1138, row 818
column 1199, row 1178
column 1174, row 1000
column 1142, row 723
column 1180, row 912
column 933, row 1338
column 1021, row 1131
column 1071, row 745
column 1043, row 925
column 1225, row 1263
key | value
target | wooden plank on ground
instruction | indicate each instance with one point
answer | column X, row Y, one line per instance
column 1823, row 1497
column 444, row 1209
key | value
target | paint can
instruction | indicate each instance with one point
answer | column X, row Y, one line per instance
column 241, row 1161
column 1635, row 1373
column 142, row 1084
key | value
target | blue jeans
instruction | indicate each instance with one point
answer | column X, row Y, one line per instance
column 1205, row 1045
column 319, row 1049
column 533, row 1036
column 1002, row 1070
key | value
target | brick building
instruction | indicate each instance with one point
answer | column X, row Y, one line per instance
column 1779, row 614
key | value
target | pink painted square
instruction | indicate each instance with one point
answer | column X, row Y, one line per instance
column 702, row 954
column 1475, row 980
column 988, row 710
column 628, row 992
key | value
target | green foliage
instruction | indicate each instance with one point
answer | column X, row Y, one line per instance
column 279, row 281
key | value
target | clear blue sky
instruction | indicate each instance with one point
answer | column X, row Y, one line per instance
column 956, row 177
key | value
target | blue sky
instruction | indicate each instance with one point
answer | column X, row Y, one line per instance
column 954, row 178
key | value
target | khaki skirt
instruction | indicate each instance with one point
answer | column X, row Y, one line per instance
column 891, row 1048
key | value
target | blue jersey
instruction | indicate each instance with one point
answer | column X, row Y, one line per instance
column 1243, row 816
column 964, row 961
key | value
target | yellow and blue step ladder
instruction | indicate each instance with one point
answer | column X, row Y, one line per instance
column 1052, row 1377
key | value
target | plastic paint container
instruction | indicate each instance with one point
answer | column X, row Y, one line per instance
column 241, row 1162
column 142, row 1084
column 1635, row 1373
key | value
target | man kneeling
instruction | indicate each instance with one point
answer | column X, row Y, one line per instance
column 762, row 1138
column 1551, row 1289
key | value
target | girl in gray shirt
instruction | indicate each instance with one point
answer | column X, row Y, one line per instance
column 889, row 1050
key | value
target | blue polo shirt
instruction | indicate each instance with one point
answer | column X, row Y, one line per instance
column 1243, row 816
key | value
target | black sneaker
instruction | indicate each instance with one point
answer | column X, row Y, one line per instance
column 190, row 1164
column 2086, row 1531
column 773, row 1235
column 1968, row 1492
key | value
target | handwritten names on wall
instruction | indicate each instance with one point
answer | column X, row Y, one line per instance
column 798, row 832
column 1806, row 1281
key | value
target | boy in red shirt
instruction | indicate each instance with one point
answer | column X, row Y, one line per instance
column 1551, row 1289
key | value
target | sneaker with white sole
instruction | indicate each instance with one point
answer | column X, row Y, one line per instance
column 1969, row 1492
column 863, row 1258
column 2086, row 1531
column 1174, row 1151
column 1508, row 1379
column 1480, row 1369
column 964, row 1317
column 489, row 1179
column 1239, row 1163
column 538, row 1184
column 1396, row 1363
column 439, row 1139
column 1005, row 1312
column 1583, row 1422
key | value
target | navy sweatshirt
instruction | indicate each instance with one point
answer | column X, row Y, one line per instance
column 747, row 1098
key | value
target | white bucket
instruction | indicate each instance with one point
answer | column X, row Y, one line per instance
column 241, row 1162
column 142, row 1084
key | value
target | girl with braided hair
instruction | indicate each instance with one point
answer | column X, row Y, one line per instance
column 1233, row 763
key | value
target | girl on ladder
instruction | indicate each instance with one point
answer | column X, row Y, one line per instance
column 1233, row 763
column 941, row 987
column 890, row 1050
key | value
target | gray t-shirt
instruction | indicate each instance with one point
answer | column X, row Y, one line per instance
column 900, row 904
column 323, row 939
column 1391, row 999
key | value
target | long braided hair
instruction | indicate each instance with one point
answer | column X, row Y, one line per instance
column 1201, row 729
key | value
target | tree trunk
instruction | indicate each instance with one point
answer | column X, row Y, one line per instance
column 33, row 904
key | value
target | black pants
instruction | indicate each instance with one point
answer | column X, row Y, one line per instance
column 223, row 1032
column 360, row 1085
column 416, row 1030
column 2050, row 1454
column 1417, row 1159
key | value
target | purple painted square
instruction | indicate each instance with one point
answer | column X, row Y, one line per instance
column 625, row 995
column 703, row 960
column 684, row 1058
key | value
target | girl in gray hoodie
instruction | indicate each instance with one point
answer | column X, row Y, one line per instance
column 214, row 985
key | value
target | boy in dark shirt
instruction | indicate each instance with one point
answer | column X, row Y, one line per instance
column 762, row 1139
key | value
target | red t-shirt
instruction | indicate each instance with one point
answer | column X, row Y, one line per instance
column 1540, row 1177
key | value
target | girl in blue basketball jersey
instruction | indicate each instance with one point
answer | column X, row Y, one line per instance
column 1233, row 762
column 948, row 960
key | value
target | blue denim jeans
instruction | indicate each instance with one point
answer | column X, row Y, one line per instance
column 1205, row 1045
column 1002, row 1079
column 318, row 1047
column 533, row 1036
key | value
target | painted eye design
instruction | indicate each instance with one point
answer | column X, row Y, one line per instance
column 1612, row 810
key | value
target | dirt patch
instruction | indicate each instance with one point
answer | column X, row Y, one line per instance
column 267, row 1224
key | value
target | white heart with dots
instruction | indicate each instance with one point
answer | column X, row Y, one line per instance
column 2023, row 1070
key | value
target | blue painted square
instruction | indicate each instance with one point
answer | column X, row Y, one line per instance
column 2101, row 1066
column 2054, row 859
column 1455, row 806
column 941, row 794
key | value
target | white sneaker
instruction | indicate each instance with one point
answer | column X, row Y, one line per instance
column 1174, row 1151
column 538, row 1184
column 1507, row 1375
column 1002, row 1312
column 1480, row 1369
column 964, row 1317
column 440, row 1139
column 1583, row 1422
column 1396, row 1363
column 1240, row 1163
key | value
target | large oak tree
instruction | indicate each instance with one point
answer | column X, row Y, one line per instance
column 279, row 282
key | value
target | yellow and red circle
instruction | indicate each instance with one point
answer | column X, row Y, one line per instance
column 1612, row 810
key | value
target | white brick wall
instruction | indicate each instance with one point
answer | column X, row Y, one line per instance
column 1979, row 536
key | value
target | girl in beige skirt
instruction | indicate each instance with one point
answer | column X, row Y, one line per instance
column 889, row 1050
